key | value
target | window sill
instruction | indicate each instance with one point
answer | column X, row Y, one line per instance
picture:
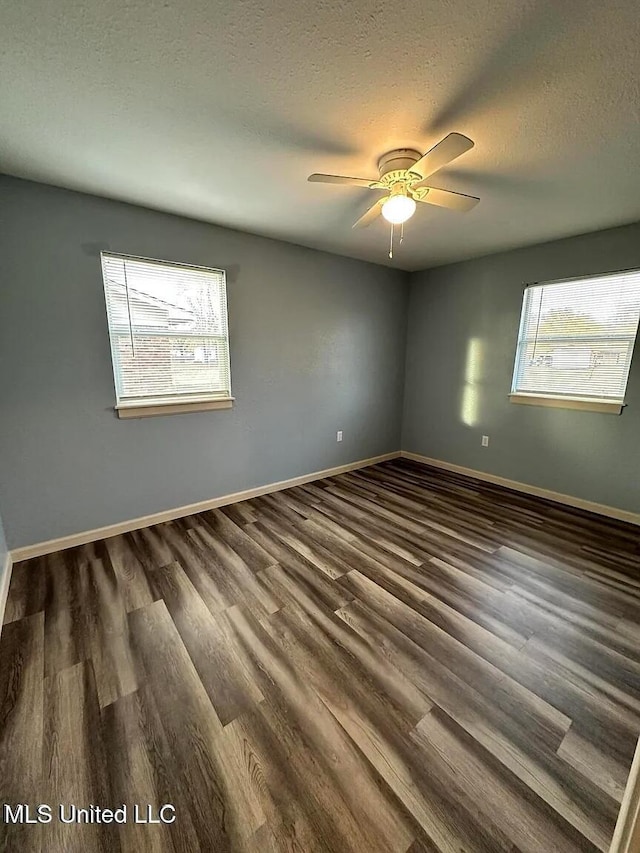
column 567, row 403
column 151, row 410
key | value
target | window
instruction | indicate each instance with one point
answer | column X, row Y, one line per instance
column 169, row 338
column 576, row 341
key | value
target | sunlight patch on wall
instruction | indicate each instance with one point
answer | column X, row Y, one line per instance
column 472, row 379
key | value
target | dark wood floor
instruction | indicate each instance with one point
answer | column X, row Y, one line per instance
column 395, row 659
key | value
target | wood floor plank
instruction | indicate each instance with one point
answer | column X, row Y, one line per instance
column 577, row 799
column 293, row 820
column 397, row 658
column 188, row 718
column 373, row 538
column 225, row 530
column 326, row 628
column 141, row 770
column 133, row 583
column 66, row 624
column 571, row 581
column 27, row 591
column 150, row 546
column 441, row 593
column 107, row 632
column 541, row 650
column 336, row 676
column 544, row 721
column 374, row 510
column 473, row 533
column 376, row 728
column 21, row 725
column 440, row 811
column 241, row 513
column 607, row 722
column 289, row 533
column 200, row 566
column 594, row 763
column 540, row 616
column 342, row 802
column 235, row 579
column 308, row 576
column 74, row 760
column 208, row 639
column 460, row 760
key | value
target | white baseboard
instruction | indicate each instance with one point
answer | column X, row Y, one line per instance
column 626, row 838
column 53, row 545
column 5, row 579
column 558, row 497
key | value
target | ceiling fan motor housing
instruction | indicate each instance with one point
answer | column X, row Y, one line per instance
column 398, row 160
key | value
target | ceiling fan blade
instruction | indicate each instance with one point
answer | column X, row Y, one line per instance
column 373, row 213
column 341, row 179
column 446, row 198
column 444, row 152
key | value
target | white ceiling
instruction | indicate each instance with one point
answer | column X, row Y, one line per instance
column 220, row 110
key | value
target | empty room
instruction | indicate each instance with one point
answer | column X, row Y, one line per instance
column 319, row 426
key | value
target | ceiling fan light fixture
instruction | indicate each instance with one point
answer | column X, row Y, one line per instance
column 404, row 176
column 398, row 209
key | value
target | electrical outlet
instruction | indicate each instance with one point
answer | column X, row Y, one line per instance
column 485, row 441
column 339, row 435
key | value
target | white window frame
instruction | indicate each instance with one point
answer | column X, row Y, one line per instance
column 565, row 401
column 179, row 403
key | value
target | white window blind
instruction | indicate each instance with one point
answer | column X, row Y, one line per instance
column 168, row 331
column 576, row 337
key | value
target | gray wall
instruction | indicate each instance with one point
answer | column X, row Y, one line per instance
column 317, row 345
column 462, row 333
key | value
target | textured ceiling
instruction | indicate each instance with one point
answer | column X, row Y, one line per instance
column 220, row 110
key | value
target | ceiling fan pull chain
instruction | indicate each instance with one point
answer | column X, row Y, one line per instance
column 401, row 232
column 391, row 246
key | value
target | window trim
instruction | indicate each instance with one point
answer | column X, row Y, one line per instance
column 583, row 404
column 154, row 409
column 566, row 401
column 150, row 407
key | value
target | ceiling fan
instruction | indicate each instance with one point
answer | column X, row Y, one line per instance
column 404, row 175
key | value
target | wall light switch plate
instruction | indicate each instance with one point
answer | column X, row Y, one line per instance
column 339, row 435
column 485, row 441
